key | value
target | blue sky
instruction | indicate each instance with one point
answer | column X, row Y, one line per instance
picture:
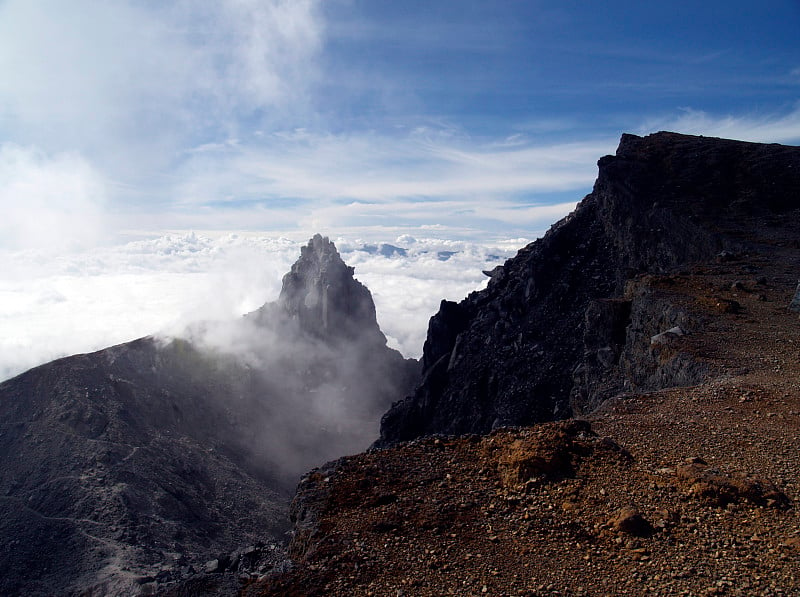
column 473, row 118
column 163, row 161
column 572, row 68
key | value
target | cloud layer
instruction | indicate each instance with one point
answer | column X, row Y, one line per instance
column 88, row 300
column 368, row 120
column 302, row 115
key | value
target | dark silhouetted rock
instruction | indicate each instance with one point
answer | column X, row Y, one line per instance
column 540, row 343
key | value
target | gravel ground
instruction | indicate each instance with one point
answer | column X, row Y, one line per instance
column 685, row 491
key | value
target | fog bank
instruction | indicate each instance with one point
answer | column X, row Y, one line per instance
column 53, row 305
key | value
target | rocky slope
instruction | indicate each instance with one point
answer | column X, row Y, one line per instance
column 677, row 282
column 682, row 491
column 129, row 468
column 555, row 333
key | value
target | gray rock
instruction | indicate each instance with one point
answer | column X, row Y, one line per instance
column 522, row 354
column 112, row 459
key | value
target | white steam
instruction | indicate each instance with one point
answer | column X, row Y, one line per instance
column 53, row 305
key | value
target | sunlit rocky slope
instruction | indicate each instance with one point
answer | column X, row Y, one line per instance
column 664, row 315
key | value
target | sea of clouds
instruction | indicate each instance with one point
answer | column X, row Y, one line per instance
column 56, row 304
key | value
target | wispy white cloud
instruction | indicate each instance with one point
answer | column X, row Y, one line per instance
column 763, row 128
column 366, row 176
column 458, row 219
column 98, row 102
column 131, row 82
column 49, row 200
column 187, row 120
column 343, row 184
column 271, row 48
column 84, row 301
column 201, row 114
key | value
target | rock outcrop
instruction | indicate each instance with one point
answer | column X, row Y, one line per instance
column 129, row 468
column 322, row 296
column 684, row 477
column 566, row 323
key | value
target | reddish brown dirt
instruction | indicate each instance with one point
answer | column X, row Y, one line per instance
column 626, row 508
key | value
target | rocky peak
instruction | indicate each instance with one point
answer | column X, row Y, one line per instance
column 188, row 447
column 321, row 293
column 556, row 332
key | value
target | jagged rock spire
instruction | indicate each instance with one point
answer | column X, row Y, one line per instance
column 322, row 294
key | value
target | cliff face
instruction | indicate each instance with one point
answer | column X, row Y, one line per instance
column 136, row 464
column 546, row 337
column 664, row 311
column 321, row 294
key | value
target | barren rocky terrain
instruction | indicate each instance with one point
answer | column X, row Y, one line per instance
column 663, row 317
column 683, row 491
column 616, row 413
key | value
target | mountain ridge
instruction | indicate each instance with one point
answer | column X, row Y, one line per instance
column 660, row 312
column 663, row 201
column 131, row 467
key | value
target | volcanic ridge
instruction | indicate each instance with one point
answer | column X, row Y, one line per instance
column 616, row 413
column 152, row 461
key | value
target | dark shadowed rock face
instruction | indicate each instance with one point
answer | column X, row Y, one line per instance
column 131, row 467
column 555, row 332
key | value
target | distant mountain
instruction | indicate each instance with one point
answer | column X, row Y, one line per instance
column 555, row 333
column 384, row 249
column 129, row 467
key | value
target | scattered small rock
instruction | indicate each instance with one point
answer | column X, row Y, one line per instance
column 629, row 520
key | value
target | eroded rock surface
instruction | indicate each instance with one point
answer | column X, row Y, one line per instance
column 127, row 469
column 682, row 476
column 556, row 332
